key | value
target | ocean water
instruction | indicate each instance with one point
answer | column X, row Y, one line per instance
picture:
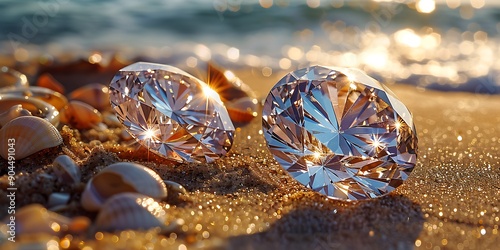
column 450, row 49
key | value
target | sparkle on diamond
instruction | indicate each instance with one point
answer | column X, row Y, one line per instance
column 172, row 113
column 340, row 132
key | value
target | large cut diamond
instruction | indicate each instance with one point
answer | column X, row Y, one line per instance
column 340, row 132
column 172, row 113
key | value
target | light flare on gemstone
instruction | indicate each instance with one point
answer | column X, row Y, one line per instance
column 340, row 132
column 172, row 113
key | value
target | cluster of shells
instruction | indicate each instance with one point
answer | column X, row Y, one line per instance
column 124, row 195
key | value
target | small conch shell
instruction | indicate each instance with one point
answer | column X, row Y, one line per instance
column 80, row 115
column 119, row 178
column 27, row 135
column 130, row 211
column 96, row 95
column 14, row 112
column 66, row 169
column 35, row 219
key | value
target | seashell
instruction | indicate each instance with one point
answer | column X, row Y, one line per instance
column 111, row 120
column 242, row 110
column 80, row 115
column 35, row 219
column 35, row 106
column 14, row 112
column 122, row 177
column 174, row 187
column 238, row 97
column 49, row 96
column 130, row 211
column 96, row 95
column 31, row 134
column 46, row 80
column 66, row 169
column 58, row 199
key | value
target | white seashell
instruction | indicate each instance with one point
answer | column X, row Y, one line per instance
column 80, row 115
column 35, row 219
column 130, row 211
column 27, row 135
column 66, row 169
column 96, row 95
column 57, row 199
column 122, row 177
column 14, row 112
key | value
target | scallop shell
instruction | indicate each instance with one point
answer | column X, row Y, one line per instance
column 66, row 169
column 96, row 95
column 28, row 135
column 119, row 178
column 35, row 218
column 130, row 211
column 80, row 115
column 14, row 112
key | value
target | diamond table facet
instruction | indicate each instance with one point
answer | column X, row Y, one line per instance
column 340, row 132
column 172, row 113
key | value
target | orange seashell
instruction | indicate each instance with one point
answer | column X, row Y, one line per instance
column 46, row 80
column 80, row 115
column 95, row 95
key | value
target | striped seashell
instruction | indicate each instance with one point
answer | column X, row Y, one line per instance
column 130, row 211
column 119, row 178
column 26, row 135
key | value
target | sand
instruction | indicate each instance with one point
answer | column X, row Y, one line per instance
column 246, row 201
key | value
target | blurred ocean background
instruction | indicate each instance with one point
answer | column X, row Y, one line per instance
column 449, row 45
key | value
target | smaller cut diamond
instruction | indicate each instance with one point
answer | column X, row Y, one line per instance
column 340, row 132
column 172, row 113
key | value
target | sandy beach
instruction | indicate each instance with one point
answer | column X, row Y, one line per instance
column 247, row 201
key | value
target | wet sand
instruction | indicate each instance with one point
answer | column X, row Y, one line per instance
column 246, row 201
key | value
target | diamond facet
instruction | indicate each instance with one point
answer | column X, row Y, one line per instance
column 172, row 113
column 340, row 132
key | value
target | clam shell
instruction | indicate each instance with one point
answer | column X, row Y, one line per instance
column 119, row 178
column 14, row 112
column 130, row 211
column 35, row 218
column 31, row 134
column 80, row 115
column 66, row 169
column 96, row 95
